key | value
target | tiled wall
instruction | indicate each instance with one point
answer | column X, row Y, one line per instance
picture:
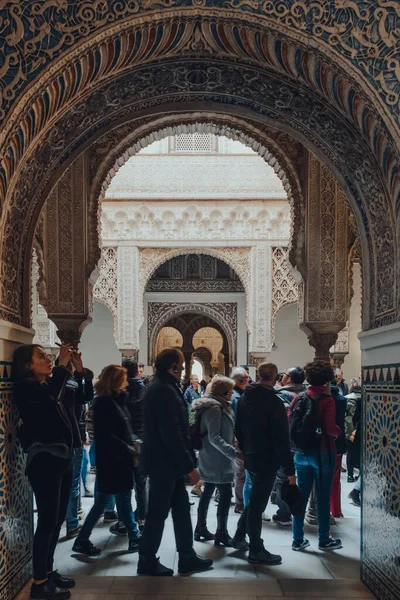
column 381, row 481
column 16, row 512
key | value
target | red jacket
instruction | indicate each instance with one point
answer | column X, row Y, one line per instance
column 326, row 415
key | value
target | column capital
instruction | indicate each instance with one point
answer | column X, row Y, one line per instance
column 129, row 353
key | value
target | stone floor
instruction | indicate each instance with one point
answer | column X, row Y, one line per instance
column 309, row 574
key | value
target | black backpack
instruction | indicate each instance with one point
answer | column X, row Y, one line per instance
column 304, row 426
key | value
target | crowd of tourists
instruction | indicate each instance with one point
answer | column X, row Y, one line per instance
column 282, row 438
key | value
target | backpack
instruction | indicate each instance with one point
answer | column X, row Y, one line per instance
column 304, row 425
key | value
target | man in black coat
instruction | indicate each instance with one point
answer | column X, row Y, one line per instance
column 263, row 435
column 135, row 406
column 167, row 458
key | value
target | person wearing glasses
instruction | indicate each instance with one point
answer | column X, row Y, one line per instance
column 216, row 457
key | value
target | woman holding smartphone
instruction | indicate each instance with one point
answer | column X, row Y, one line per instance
column 46, row 436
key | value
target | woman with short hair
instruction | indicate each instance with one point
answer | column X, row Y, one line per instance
column 216, row 457
column 115, row 458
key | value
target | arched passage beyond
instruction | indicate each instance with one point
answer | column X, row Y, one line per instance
column 263, row 87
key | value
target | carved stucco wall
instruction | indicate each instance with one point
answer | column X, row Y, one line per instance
column 169, row 337
column 32, row 159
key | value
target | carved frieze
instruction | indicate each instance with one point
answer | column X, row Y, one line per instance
column 284, row 287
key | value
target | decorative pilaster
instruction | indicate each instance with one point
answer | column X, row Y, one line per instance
column 65, row 250
column 326, row 299
column 341, row 348
column 129, row 317
column 260, row 300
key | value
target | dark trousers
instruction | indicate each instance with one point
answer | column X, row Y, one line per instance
column 350, row 458
column 225, row 490
column 283, row 511
column 167, row 494
column 251, row 520
column 141, row 494
column 51, row 480
column 240, row 478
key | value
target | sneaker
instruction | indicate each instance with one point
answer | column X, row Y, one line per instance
column 239, row 542
column 153, row 568
column 110, row 516
column 296, row 546
column 88, row 494
column 194, row 563
column 73, row 533
column 283, row 522
column 263, row 557
column 49, row 591
column 62, row 582
column 350, row 479
column 85, row 547
column 331, row 544
column 133, row 544
column 117, row 530
column 355, row 497
column 266, row 518
column 239, row 511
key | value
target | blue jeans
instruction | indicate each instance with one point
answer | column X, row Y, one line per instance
column 92, row 452
column 109, row 505
column 85, row 464
column 318, row 467
column 125, row 512
column 72, row 518
column 247, row 489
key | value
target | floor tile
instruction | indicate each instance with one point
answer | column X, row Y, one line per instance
column 338, row 588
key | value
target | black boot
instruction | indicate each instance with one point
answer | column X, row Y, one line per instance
column 193, row 563
column 221, row 535
column 201, row 532
column 49, row 591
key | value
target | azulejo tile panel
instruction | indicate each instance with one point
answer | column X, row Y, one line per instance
column 380, row 550
column 16, row 510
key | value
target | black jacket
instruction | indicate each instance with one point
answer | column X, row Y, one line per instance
column 340, row 402
column 41, row 407
column 166, row 444
column 114, row 452
column 262, row 430
column 135, row 405
column 78, row 392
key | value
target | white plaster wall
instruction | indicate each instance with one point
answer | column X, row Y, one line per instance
column 352, row 363
column 291, row 344
column 97, row 345
column 239, row 298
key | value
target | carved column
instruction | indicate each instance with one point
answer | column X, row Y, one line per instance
column 341, row 349
column 65, row 250
column 325, row 306
column 260, row 301
column 129, row 319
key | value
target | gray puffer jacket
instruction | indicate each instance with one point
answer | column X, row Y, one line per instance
column 217, row 455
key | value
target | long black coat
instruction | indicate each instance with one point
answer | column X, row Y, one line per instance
column 114, row 452
column 166, row 445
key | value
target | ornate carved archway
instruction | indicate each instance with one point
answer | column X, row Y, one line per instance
column 221, row 315
column 322, row 101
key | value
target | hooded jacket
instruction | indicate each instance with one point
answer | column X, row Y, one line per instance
column 166, row 450
column 262, row 430
column 289, row 392
column 217, row 455
column 135, row 405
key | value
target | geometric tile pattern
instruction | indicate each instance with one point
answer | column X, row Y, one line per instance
column 380, row 546
column 16, row 509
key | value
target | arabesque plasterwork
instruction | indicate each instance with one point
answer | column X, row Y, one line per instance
column 362, row 182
